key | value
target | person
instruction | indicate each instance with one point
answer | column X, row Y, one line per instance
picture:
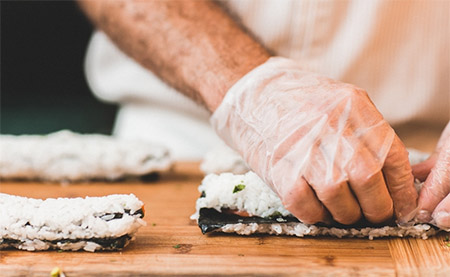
column 259, row 67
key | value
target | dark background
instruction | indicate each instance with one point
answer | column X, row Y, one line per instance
column 43, row 87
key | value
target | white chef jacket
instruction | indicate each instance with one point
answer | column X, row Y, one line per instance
column 399, row 51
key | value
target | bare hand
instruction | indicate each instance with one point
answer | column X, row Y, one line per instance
column 434, row 198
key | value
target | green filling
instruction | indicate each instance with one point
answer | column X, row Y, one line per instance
column 238, row 188
column 275, row 215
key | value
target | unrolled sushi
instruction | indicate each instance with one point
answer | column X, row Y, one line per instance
column 90, row 224
column 245, row 205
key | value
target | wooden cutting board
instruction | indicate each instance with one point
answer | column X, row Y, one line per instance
column 170, row 201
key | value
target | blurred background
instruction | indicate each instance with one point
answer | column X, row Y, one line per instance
column 43, row 87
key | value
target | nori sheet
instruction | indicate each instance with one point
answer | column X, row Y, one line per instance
column 105, row 243
column 210, row 219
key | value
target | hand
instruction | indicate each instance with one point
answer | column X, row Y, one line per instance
column 320, row 144
column 434, row 198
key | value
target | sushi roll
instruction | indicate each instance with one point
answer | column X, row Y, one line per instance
column 90, row 224
column 245, row 205
column 67, row 156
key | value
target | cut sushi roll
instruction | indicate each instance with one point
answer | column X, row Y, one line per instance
column 244, row 204
column 67, row 156
column 90, row 224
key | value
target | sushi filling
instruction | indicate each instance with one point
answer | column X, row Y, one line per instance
column 109, row 216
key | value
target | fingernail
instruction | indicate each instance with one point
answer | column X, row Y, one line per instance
column 406, row 219
column 423, row 216
column 405, row 223
column 442, row 220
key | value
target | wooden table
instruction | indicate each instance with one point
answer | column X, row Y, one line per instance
column 169, row 203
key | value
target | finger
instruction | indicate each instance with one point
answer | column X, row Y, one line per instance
column 441, row 214
column 369, row 187
column 373, row 197
column 436, row 187
column 400, row 182
column 422, row 170
column 302, row 202
column 340, row 202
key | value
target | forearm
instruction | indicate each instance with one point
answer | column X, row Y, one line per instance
column 192, row 45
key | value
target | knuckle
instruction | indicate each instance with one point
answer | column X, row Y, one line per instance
column 380, row 216
column 369, row 182
column 330, row 192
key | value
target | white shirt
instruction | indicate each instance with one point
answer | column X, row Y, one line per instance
column 399, row 51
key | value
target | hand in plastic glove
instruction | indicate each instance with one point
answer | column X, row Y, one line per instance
column 320, row 144
column 434, row 198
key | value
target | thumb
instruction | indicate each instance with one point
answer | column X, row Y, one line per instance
column 441, row 214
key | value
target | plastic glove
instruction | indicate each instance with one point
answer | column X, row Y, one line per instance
column 434, row 198
column 320, row 144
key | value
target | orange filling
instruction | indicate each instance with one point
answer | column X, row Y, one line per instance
column 236, row 212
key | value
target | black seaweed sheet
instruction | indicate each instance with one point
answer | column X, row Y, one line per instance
column 210, row 220
column 106, row 243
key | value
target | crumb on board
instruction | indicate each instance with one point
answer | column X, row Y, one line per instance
column 57, row 272
column 176, row 246
column 446, row 241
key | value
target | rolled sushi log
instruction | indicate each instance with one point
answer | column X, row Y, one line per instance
column 68, row 156
column 245, row 205
column 90, row 224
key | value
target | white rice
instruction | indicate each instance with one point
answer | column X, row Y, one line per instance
column 300, row 230
column 256, row 198
column 416, row 156
column 39, row 224
column 67, row 156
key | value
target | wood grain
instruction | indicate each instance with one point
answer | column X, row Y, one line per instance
column 170, row 201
